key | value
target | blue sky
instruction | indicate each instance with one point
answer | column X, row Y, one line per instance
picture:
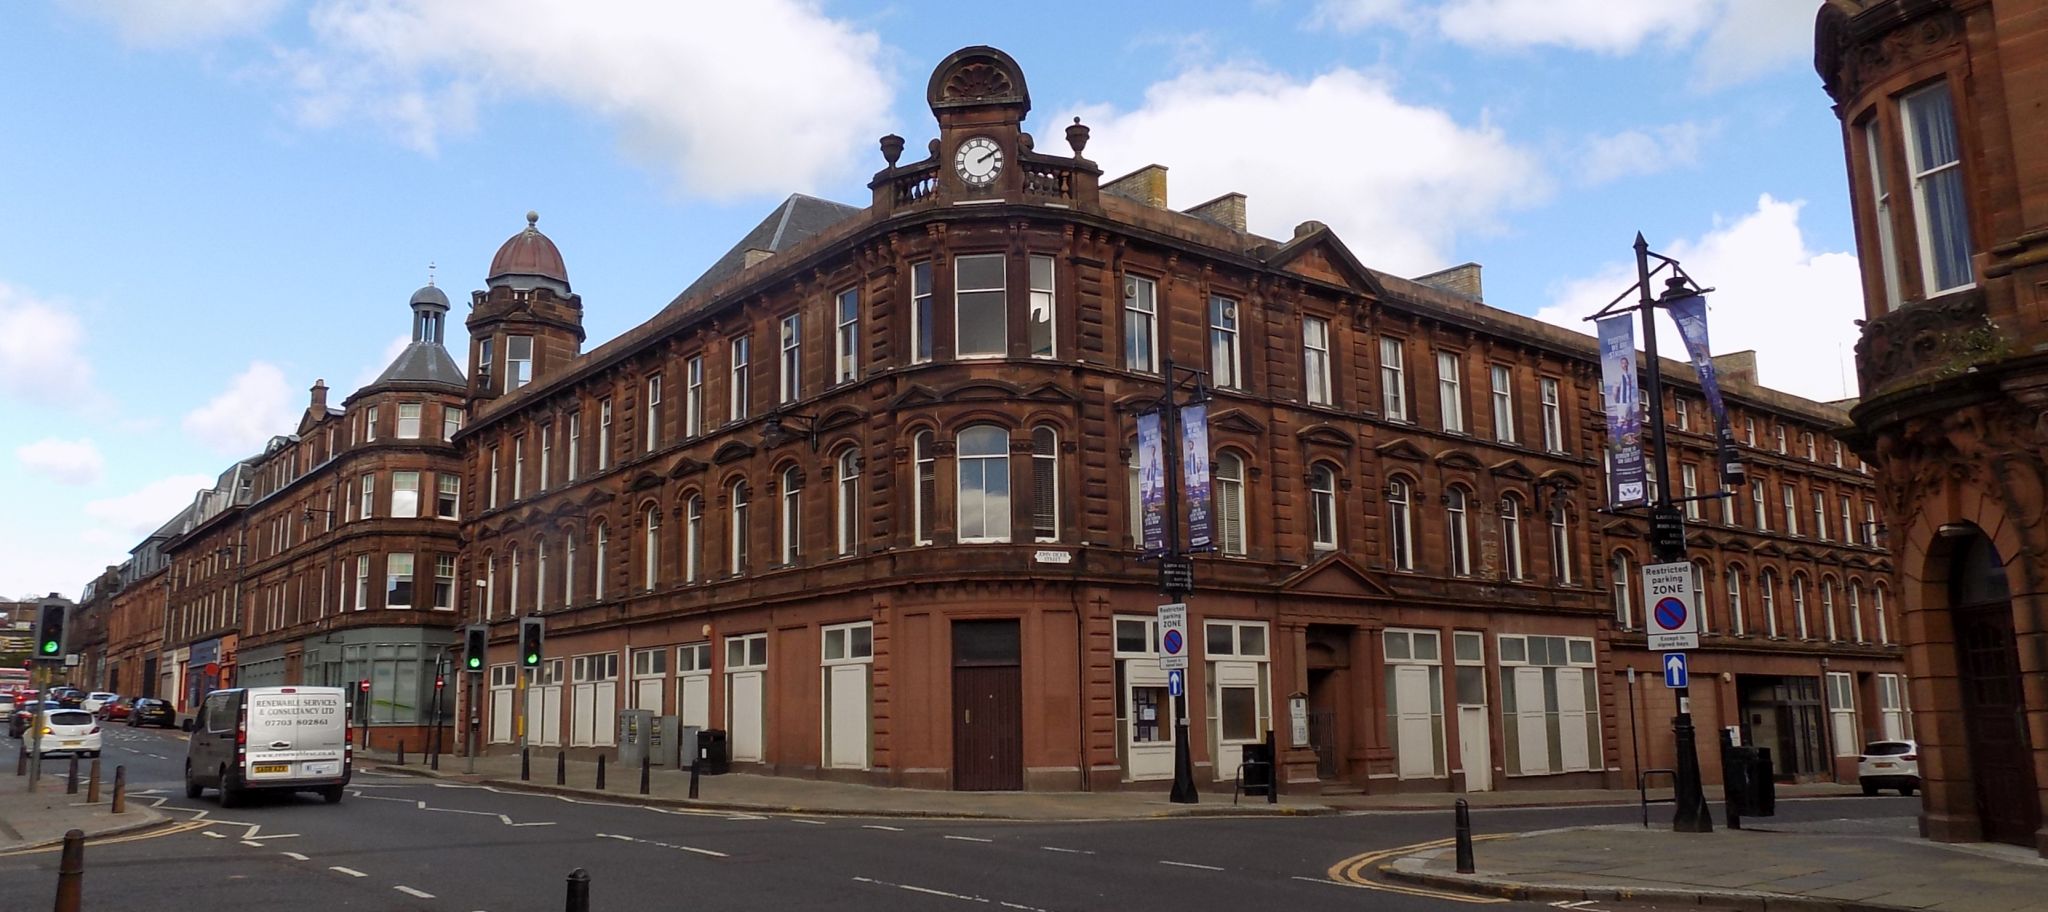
column 205, row 205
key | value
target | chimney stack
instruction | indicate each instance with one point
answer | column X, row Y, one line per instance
column 1146, row 185
column 319, row 397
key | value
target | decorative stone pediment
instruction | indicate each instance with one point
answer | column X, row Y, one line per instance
column 1402, row 448
column 1336, row 574
column 1326, row 434
column 1236, row 420
column 984, row 391
column 684, row 466
column 1051, row 392
column 645, row 479
column 1511, row 468
column 1459, row 459
column 732, row 451
column 917, row 394
column 1316, row 253
column 977, row 76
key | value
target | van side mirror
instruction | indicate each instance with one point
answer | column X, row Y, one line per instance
column 186, row 725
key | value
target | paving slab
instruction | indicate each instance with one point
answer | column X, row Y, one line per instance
column 41, row 817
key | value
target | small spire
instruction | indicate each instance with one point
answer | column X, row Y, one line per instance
column 532, row 218
column 430, row 273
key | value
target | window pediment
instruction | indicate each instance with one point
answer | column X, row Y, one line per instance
column 732, row 451
column 1458, row 459
column 1402, row 448
column 1326, row 434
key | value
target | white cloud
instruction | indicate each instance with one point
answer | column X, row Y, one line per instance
column 1754, row 36
column 1604, row 26
column 1321, row 149
column 257, row 405
column 1641, row 151
column 1794, row 306
column 163, row 23
column 130, row 516
column 732, row 98
column 1353, row 15
column 68, row 462
column 40, row 350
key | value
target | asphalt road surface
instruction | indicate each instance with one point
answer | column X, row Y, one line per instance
column 403, row 843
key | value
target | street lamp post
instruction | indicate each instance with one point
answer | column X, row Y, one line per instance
column 1176, row 571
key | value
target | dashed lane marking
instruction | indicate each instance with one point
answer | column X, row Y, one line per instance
column 877, row 826
column 1067, row 851
column 419, row 894
column 349, row 871
column 811, row 822
column 969, row 838
column 216, row 835
column 928, row 891
column 680, row 848
column 294, row 856
column 253, row 845
column 1190, row 864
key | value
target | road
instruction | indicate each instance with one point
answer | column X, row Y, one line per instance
column 403, row 843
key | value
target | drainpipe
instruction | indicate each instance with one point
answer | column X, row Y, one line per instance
column 1081, row 677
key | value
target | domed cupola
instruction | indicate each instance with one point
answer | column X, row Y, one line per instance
column 429, row 313
column 529, row 260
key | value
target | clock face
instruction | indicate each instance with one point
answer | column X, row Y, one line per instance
column 978, row 161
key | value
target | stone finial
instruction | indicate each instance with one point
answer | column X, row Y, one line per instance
column 892, row 149
column 1077, row 136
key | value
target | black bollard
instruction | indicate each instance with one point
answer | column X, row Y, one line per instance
column 401, row 752
column 434, row 759
column 693, row 778
column 600, row 772
column 71, row 778
column 525, row 764
column 643, row 775
column 120, row 789
column 71, row 873
column 21, row 758
column 92, row 783
column 579, row 891
column 1465, row 865
column 561, row 768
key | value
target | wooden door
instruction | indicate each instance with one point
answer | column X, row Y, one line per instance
column 988, row 707
column 1993, row 714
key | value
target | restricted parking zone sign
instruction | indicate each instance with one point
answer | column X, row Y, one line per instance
column 1674, row 621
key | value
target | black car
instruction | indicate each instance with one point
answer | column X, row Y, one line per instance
column 69, row 697
column 18, row 721
column 152, row 711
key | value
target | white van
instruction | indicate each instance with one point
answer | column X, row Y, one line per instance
column 271, row 738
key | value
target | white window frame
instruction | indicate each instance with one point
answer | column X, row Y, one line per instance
column 1393, row 378
column 790, row 512
column 604, row 433
column 1141, row 325
column 1841, row 699
column 405, row 498
column 693, row 397
column 1322, row 493
column 1689, row 488
column 574, row 432
column 741, row 501
column 999, row 294
column 739, row 390
column 1621, row 585
column 921, row 314
column 1458, row 530
column 518, row 466
column 1401, row 522
column 409, row 420
column 1579, row 656
column 653, row 411
column 1513, row 566
column 1231, row 503
column 599, row 569
column 518, row 370
column 1045, row 484
column 1553, row 415
column 1767, row 593
column 790, row 367
column 650, row 551
column 1226, row 349
column 846, row 336
column 1041, row 299
column 1407, row 656
column 1315, row 355
column 1922, row 173
column 1503, row 379
column 1561, row 545
column 847, row 508
column 1450, row 391
column 394, row 577
column 1881, row 200
column 1731, row 579
column 693, row 536
column 993, row 523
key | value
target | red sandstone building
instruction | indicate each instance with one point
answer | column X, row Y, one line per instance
column 1947, row 153
column 863, row 497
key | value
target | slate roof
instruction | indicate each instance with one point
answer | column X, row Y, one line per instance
column 423, row 362
column 796, row 220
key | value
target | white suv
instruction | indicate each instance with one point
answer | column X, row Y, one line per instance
column 1889, row 764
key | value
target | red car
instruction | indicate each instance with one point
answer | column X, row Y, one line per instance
column 116, row 710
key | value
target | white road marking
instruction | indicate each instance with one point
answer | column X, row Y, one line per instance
column 421, row 894
column 1190, row 864
column 811, row 822
column 665, row 845
column 294, row 856
column 1067, row 851
column 877, row 826
column 253, row 845
column 969, row 838
column 349, row 871
column 928, row 891
column 215, row 835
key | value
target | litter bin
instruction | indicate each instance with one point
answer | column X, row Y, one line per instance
column 713, row 752
column 1738, row 767
column 1255, row 776
column 1763, row 784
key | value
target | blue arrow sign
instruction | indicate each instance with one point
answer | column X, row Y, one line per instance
column 1173, row 683
column 1675, row 674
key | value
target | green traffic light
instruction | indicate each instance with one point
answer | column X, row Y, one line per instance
column 532, row 659
column 50, row 647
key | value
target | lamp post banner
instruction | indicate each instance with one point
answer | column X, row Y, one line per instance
column 1690, row 313
column 1194, row 461
column 1625, row 480
column 1152, row 484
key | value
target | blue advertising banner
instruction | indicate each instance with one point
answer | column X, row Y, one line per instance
column 1194, row 456
column 1625, row 479
column 1690, row 313
column 1152, row 484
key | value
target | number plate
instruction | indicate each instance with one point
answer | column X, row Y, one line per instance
column 73, row 743
column 1883, row 766
column 267, row 769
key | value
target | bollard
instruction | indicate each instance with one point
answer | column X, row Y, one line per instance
column 561, row 768
column 434, row 760
column 693, row 778
column 1465, row 865
column 525, row 766
column 120, row 789
column 71, row 873
column 643, row 775
column 401, row 752
column 92, row 783
column 579, row 891
column 71, row 778
column 21, row 758
column 600, row 772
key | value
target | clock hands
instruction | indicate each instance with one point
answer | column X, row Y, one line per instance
column 986, row 156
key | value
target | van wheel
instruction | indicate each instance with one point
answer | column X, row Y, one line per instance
column 191, row 785
column 1869, row 789
column 1907, row 790
column 331, row 794
column 230, row 796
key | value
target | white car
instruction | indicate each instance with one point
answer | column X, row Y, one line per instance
column 1889, row 764
column 97, row 699
column 70, row 731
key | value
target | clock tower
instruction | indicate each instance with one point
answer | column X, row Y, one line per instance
column 979, row 98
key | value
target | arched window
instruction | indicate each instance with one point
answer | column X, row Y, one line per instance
column 569, row 569
column 1799, row 606
column 1856, row 611
column 1045, row 484
column 1736, row 623
column 652, row 552
column 1620, row 577
column 1884, row 630
column 1827, row 609
column 1561, row 544
column 490, row 584
column 1229, row 504
column 514, row 595
column 925, row 492
column 1400, row 524
column 1699, row 596
column 1458, row 531
column 847, row 522
column 693, row 536
column 1511, row 538
column 600, row 570
column 1767, row 590
column 740, row 496
column 1322, row 503
column 791, row 525
column 540, row 574
column 984, row 484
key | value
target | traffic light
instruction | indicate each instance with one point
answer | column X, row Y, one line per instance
column 474, row 640
column 50, row 632
column 529, row 642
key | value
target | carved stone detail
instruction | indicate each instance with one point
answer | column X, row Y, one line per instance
column 1927, row 341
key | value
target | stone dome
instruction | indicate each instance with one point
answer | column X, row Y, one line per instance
column 430, row 295
column 529, row 260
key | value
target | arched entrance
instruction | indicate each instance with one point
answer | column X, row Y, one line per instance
column 1993, row 704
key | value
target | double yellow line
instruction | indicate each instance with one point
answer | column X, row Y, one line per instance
column 1352, row 871
column 171, row 830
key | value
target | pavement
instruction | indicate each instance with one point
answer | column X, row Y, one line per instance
column 1863, row 865
column 42, row 817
